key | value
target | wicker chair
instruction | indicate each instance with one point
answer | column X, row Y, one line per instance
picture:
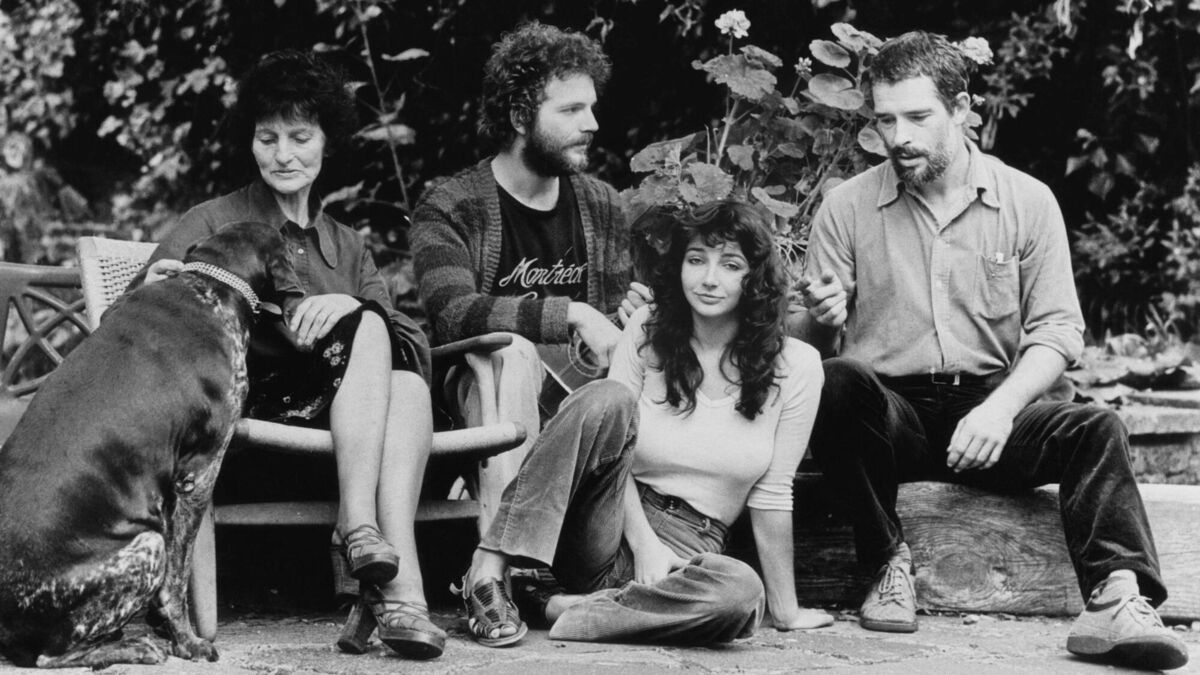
column 108, row 266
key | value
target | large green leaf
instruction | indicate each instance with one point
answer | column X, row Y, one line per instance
column 830, row 183
column 776, row 206
column 742, row 156
column 829, row 53
column 744, row 79
column 709, row 183
column 654, row 190
column 762, row 57
column 855, row 39
column 836, row 92
column 791, row 150
column 870, row 140
column 395, row 134
column 662, row 157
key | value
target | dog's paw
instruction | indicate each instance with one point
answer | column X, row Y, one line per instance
column 196, row 649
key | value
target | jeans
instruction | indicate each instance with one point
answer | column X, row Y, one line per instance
column 869, row 437
column 565, row 509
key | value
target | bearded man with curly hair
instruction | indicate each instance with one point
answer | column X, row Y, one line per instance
column 523, row 242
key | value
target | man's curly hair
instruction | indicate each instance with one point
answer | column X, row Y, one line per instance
column 761, row 310
column 918, row 53
column 294, row 85
column 522, row 62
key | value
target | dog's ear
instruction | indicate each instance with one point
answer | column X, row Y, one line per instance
column 287, row 289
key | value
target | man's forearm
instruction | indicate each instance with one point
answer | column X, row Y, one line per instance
column 1037, row 370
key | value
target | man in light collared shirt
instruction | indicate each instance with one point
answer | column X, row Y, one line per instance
column 938, row 270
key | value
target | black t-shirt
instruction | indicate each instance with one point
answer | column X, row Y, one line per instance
column 542, row 253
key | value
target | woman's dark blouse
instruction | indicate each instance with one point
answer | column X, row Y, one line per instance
column 328, row 256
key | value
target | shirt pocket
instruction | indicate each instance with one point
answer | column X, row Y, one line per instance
column 998, row 287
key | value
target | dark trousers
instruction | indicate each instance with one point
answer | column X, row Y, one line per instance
column 872, row 434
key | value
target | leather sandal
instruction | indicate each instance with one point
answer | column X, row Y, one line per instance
column 364, row 555
column 404, row 626
column 489, row 610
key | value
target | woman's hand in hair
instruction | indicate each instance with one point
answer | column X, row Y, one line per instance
column 653, row 561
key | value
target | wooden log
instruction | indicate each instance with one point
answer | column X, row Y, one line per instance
column 979, row 551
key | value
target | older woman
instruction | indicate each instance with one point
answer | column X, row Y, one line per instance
column 634, row 484
column 357, row 364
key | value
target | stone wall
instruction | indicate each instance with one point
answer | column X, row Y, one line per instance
column 1165, row 443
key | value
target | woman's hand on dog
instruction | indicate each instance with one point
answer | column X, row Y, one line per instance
column 162, row 269
column 316, row 315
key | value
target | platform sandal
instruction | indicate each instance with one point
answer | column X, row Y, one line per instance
column 362, row 554
column 489, row 610
column 403, row 625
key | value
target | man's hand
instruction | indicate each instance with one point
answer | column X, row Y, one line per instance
column 979, row 437
column 316, row 315
column 653, row 561
column 162, row 269
column 596, row 331
column 637, row 296
column 826, row 299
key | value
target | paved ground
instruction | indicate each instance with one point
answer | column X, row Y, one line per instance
column 278, row 645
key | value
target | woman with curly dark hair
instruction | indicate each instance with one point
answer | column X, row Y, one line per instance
column 634, row 484
column 357, row 366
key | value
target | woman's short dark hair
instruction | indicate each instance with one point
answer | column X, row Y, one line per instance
column 294, row 85
column 522, row 62
column 918, row 53
column 761, row 310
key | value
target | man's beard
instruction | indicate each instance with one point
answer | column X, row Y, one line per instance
column 547, row 157
column 936, row 163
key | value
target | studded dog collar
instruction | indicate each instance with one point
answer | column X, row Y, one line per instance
column 228, row 278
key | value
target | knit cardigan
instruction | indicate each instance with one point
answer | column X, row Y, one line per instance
column 456, row 253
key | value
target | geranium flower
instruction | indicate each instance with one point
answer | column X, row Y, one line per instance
column 734, row 22
column 803, row 66
column 976, row 49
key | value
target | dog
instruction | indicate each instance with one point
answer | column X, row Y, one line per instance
column 106, row 477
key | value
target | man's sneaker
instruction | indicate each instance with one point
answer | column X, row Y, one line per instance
column 891, row 604
column 1125, row 630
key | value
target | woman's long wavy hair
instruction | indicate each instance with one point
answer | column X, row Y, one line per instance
column 761, row 311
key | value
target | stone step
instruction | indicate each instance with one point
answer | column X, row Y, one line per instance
column 978, row 551
column 1164, row 441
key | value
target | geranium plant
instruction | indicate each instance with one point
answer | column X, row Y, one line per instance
column 783, row 150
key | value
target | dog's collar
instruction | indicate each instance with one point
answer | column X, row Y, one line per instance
column 228, row 278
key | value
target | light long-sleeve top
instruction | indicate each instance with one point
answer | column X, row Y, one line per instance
column 715, row 459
